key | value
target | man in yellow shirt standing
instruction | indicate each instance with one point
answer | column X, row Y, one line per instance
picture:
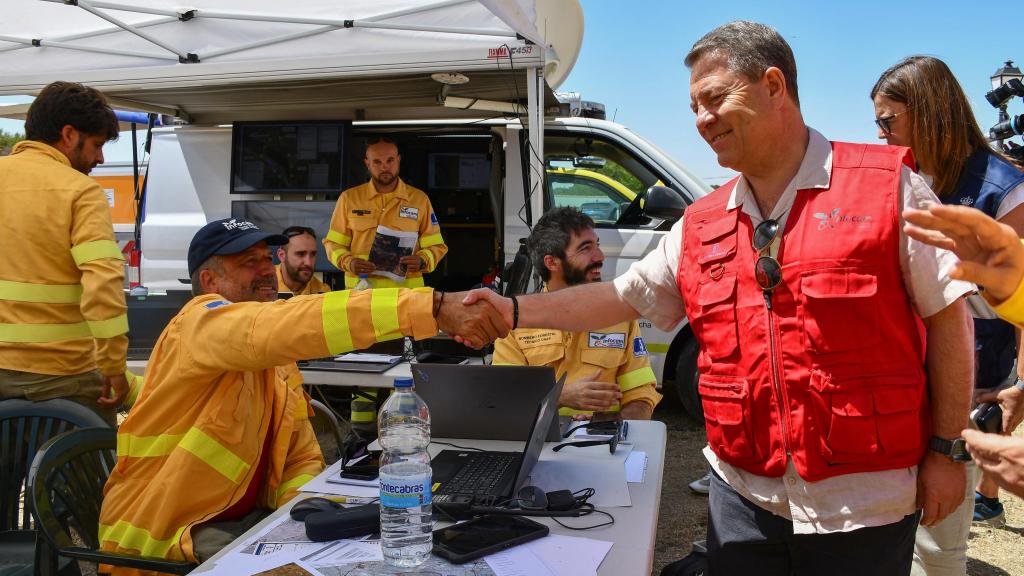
column 63, row 321
column 219, row 434
column 384, row 200
column 608, row 370
column 298, row 257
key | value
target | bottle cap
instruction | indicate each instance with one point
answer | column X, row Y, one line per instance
column 403, row 382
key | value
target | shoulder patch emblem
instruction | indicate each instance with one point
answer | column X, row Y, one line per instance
column 216, row 304
column 409, row 212
column 607, row 340
column 639, row 348
column 433, row 218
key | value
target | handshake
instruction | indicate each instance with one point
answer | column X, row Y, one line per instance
column 474, row 318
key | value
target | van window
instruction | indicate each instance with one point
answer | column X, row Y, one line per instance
column 598, row 178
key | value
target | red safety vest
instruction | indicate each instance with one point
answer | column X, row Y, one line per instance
column 834, row 373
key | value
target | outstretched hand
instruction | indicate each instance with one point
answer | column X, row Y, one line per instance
column 475, row 324
column 991, row 254
column 485, row 296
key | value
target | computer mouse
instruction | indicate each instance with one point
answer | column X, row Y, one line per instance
column 304, row 508
column 429, row 357
column 532, row 498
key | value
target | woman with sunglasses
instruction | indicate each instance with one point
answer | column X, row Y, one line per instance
column 919, row 104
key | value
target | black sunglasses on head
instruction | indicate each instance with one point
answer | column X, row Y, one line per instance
column 292, row 231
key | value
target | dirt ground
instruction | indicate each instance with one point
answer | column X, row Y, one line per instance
column 683, row 515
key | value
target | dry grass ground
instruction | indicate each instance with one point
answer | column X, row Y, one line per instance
column 683, row 515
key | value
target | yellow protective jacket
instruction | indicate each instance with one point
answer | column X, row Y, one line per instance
column 615, row 354
column 220, row 378
column 62, row 308
column 354, row 225
column 1011, row 309
column 314, row 286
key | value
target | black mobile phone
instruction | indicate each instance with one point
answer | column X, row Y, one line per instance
column 485, row 535
column 367, row 468
column 988, row 417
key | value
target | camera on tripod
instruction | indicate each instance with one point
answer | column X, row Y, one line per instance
column 1011, row 126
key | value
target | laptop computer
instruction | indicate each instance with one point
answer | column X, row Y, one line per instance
column 463, row 478
column 485, row 402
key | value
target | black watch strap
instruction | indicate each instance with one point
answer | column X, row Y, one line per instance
column 955, row 449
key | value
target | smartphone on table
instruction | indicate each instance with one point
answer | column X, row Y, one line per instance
column 366, row 468
column 485, row 535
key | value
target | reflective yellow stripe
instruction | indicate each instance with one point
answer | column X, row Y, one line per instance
column 131, row 446
column 429, row 257
column 108, row 328
column 566, row 411
column 658, row 348
column 43, row 332
column 635, row 378
column 384, row 311
column 96, row 250
column 133, row 538
column 431, row 240
column 380, row 282
column 215, row 455
column 135, row 384
column 296, row 482
column 336, row 256
column 339, row 238
column 41, row 293
column 362, row 417
column 335, row 319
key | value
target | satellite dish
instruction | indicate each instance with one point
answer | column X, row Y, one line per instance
column 560, row 23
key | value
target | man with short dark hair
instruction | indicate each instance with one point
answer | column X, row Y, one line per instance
column 63, row 319
column 608, row 370
column 219, row 434
column 828, row 426
column 298, row 258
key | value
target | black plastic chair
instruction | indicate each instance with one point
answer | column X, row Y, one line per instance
column 66, row 487
column 24, row 427
column 327, row 429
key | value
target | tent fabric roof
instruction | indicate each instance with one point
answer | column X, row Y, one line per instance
column 301, row 62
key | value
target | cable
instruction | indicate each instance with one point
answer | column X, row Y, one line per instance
column 593, row 510
column 457, row 446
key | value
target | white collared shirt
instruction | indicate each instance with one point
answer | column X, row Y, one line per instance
column 841, row 503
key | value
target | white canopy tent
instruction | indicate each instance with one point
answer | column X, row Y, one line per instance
column 219, row 61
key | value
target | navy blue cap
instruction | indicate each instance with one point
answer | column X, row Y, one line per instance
column 227, row 236
column 403, row 382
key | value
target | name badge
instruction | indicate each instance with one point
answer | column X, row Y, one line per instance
column 608, row 340
column 409, row 212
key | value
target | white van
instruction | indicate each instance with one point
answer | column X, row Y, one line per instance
column 473, row 172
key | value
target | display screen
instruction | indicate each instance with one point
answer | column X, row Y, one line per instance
column 275, row 216
column 458, row 171
column 277, row 157
column 485, row 533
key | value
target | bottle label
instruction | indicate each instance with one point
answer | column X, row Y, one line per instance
column 405, row 491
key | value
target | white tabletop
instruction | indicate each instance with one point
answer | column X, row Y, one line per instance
column 635, row 528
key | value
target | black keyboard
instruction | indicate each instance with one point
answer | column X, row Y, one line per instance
column 483, row 475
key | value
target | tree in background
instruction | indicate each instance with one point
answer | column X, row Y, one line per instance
column 8, row 140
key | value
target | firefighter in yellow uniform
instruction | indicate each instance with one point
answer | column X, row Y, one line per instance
column 298, row 258
column 63, row 321
column 388, row 201
column 219, row 434
column 607, row 370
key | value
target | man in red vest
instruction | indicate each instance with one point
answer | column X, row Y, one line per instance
column 831, row 432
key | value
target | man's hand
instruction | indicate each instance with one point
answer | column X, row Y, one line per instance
column 411, row 263
column 115, row 389
column 940, row 487
column 991, row 254
column 475, row 325
column 1011, row 400
column 360, row 266
column 591, row 395
column 1001, row 457
column 502, row 306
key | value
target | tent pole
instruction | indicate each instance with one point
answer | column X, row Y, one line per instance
column 100, row 32
column 69, row 46
column 535, row 149
column 182, row 56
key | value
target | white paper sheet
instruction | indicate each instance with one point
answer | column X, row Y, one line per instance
column 343, row 552
column 570, row 555
column 518, row 561
column 636, row 467
column 367, row 357
column 590, row 467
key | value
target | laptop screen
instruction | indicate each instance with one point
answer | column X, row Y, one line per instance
column 545, row 413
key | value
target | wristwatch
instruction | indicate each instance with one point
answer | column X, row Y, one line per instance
column 955, row 449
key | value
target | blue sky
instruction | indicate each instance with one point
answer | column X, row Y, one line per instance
column 632, row 53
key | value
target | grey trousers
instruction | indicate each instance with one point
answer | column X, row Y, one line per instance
column 942, row 549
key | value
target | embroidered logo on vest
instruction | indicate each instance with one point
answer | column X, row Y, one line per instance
column 967, row 201
column 836, row 218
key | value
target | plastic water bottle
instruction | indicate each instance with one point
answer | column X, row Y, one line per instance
column 405, row 477
column 363, row 283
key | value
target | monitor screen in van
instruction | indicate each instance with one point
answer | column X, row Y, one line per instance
column 281, row 157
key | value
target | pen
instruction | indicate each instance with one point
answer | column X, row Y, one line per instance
column 352, row 499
